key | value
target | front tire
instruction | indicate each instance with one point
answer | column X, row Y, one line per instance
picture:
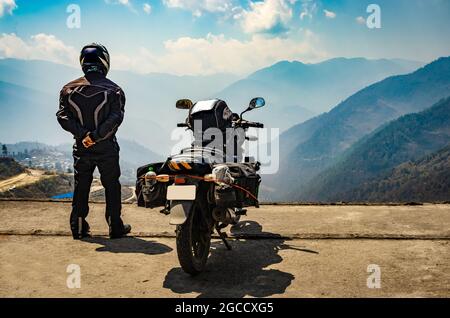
column 193, row 242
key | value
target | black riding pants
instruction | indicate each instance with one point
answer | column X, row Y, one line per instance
column 108, row 166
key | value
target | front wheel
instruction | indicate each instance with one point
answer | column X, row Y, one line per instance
column 193, row 242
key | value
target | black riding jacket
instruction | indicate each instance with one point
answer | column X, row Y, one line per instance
column 92, row 104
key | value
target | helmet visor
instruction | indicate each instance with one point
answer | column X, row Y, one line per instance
column 90, row 55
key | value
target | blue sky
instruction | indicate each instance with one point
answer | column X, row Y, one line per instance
column 224, row 36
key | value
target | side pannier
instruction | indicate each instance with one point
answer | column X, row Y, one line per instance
column 149, row 193
column 240, row 187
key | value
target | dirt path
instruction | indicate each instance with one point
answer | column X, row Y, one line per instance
column 307, row 251
column 21, row 180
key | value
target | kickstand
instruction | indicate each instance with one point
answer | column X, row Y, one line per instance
column 223, row 237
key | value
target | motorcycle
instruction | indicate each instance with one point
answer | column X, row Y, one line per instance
column 207, row 186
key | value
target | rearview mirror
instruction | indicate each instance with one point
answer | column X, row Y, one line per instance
column 257, row 102
column 184, row 104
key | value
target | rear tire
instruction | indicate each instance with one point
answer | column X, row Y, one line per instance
column 193, row 242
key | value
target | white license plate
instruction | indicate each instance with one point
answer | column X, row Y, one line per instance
column 181, row 192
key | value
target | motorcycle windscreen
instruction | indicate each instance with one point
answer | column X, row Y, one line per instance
column 204, row 105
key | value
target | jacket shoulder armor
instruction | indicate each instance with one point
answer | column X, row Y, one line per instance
column 69, row 87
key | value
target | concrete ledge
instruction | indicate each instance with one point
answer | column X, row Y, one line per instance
column 244, row 236
column 261, row 203
column 424, row 222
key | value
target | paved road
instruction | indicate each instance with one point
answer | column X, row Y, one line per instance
column 283, row 251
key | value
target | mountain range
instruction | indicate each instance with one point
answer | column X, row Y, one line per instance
column 405, row 140
column 293, row 90
column 382, row 134
column 296, row 91
column 424, row 180
column 29, row 91
column 309, row 148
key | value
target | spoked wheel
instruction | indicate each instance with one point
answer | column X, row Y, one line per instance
column 193, row 242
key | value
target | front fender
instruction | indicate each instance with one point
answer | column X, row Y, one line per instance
column 179, row 211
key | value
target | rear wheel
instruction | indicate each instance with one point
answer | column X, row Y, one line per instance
column 193, row 242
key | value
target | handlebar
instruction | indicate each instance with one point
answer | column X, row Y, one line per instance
column 256, row 125
column 241, row 123
column 248, row 124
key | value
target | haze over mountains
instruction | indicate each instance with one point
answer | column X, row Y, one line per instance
column 335, row 156
column 294, row 92
column 405, row 140
column 310, row 148
column 29, row 91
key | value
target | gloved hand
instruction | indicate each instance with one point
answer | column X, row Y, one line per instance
column 88, row 141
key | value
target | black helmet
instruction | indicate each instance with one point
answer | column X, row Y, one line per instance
column 95, row 58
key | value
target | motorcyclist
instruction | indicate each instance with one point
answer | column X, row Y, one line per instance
column 91, row 108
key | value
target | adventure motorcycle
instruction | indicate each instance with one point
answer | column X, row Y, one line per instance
column 208, row 185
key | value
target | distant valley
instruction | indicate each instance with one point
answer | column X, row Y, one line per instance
column 345, row 136
column 310, row 148
column 294, row 92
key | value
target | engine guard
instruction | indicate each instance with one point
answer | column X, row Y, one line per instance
column 179, row 211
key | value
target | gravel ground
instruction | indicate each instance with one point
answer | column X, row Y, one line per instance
column 295, row 251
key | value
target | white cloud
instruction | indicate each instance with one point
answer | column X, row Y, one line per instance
column 266, row 16
column 125, row 3
column 197, row 7
column 39, row 47
column 360, row 20
column 329, row 14
column 309, row 9
column 218, row 54
column 182, row 56
column 260, row 17
column 147, row 8
column 7, row 6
